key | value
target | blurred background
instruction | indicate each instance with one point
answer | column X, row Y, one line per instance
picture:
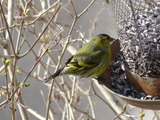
column 40, row 45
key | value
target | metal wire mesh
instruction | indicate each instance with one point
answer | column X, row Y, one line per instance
column 123, row 8
column 138, row 27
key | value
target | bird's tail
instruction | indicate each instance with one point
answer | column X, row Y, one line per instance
column 57, row 73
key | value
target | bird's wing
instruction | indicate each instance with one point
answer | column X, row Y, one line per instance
column 83, row 61
column 89, row 59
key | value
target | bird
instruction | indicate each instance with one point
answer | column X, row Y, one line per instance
column 90, row 61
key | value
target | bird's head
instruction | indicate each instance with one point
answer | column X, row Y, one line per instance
column 104, row 39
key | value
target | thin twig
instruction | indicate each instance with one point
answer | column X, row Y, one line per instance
column 62, row 54
column 35, row 17
column 21, row 26
column 91, row 105
column 10, row 6
column 55, row 12
column 117, row 116
column 86, row 9
column 34, row 64
column 58, row 64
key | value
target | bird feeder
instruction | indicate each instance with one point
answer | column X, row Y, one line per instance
column 138, row 28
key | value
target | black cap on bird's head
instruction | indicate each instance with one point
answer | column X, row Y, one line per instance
column 105, row 36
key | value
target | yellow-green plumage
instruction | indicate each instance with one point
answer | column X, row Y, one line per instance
column 90, row 61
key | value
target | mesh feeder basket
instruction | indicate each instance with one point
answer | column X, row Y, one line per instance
column 138, row 27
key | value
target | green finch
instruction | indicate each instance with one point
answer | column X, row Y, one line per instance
column 90, row 61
